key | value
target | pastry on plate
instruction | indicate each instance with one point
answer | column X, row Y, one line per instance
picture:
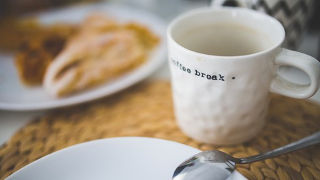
column 102, row 50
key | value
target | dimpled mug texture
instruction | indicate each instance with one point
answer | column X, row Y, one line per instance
column 226, row 110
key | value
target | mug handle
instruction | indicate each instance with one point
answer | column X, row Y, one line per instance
column 303, row 62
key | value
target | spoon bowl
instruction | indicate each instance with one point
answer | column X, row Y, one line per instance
column 206, row 165
column 217, row 165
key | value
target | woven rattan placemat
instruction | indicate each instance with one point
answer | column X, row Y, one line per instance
column 146, row 110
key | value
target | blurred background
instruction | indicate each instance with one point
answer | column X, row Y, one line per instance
column 299, row 17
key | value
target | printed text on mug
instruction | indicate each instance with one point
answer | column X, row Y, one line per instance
column 198, row 73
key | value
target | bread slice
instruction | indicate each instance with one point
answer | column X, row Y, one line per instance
column 101, row 51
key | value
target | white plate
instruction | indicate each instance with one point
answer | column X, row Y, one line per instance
column 130, row 158
column 15, row 96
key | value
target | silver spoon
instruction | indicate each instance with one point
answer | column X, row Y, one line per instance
column 216, row 165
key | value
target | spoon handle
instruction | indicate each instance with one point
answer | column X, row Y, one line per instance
column 302, row 143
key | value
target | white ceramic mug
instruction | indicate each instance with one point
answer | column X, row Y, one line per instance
column 224, row 99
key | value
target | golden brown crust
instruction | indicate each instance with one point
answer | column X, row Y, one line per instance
column 35, row 55
column 36, row 52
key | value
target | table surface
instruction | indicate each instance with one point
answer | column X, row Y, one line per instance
column 11, row 121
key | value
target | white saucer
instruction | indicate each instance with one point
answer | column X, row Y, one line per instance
column 16, row 96
column 127, row 158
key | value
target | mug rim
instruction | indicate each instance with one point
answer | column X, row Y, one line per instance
column 226, row 9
